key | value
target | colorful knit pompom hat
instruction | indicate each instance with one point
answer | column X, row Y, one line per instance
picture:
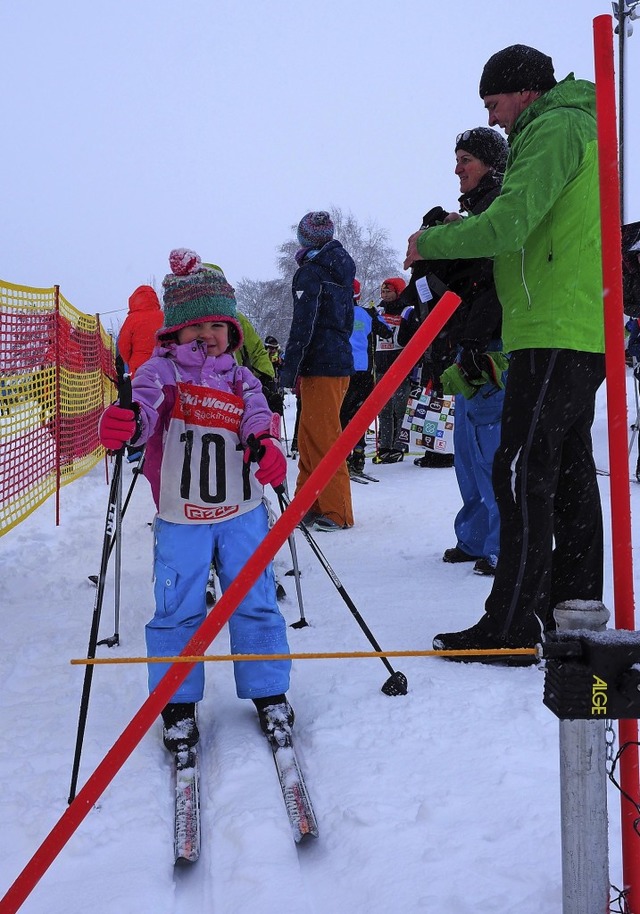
column 195, row 292
column 315, row 230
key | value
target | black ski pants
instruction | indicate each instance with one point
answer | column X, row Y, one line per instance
column 360, row 386
column 544, row 478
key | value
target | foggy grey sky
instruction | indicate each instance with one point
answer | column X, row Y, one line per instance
column 132, row 128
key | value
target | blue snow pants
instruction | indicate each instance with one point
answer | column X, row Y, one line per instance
column 182, row 557
column 476, row 436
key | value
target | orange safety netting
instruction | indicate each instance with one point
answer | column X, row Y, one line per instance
column 57, row 368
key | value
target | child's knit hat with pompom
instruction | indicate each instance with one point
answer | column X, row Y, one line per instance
column 195, row 292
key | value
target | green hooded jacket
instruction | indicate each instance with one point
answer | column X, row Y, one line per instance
column 543, row 231
column 252, row 353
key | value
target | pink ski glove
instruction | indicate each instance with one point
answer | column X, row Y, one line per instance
column 272, row 462
column 116, row 426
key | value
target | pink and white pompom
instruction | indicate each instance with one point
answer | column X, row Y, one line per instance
column 183, row 261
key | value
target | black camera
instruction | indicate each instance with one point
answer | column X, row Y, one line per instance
column 435, row 216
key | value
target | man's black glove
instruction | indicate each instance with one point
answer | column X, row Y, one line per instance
column 435, row 216
column 275, row 399
column 477, row 366
column 636, row 371
column 472, row 362
column 273, row 394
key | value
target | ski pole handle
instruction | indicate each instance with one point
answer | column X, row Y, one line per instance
column 256, row 450
column 125, row 398
column 124, row 385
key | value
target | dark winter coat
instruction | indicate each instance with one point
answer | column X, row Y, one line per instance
column 478, row 319
column 322, row 322
column 631, row 269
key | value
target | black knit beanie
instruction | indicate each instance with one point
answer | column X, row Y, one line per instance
column 515, row 69
column 485, row 144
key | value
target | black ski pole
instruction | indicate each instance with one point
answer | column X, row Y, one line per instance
column 116, row 540
column 636, row 427
column 396, row 684
column 138, row 469
column 114, row 640
column 302, row 622
column 257, row 450
column 284, row 430
column 124, row 390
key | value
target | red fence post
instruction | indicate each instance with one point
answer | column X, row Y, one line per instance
column 617, row 421
column 56, row 421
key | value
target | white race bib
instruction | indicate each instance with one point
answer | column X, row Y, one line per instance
column 203, row 478
column 393, row 320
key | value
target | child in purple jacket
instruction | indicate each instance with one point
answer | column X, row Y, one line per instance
column 194, row 409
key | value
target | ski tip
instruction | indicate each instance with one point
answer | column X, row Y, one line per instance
column 185, row 861
column 304, row 837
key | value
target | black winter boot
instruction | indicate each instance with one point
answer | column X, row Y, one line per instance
column 356, row 460
column 389, row 455
column 486, row 635
column 276, row 716
column 432, row 459
column 180, row 729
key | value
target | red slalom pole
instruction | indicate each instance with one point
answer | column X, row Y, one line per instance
column 177, row 672
column 617, row 421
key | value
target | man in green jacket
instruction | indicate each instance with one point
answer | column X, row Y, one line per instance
column 543, row 233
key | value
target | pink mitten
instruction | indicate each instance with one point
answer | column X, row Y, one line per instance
column 272, row 462
column 116, row 426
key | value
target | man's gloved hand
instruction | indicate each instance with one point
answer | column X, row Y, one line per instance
column 275, row 401
column 478, row 367
column 455, row 382
column 266, row 451
column 273, row 396
column 117, row 426
column 472, row 363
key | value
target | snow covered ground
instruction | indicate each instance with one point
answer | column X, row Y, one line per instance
column 445, row 800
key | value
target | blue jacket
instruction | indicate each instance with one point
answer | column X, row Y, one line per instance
column 322, row 322
column 367, row 327
column 362, row 324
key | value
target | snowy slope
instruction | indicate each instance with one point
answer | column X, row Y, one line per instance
column 444, row 800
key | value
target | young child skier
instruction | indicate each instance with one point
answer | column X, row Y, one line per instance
column 195, row 408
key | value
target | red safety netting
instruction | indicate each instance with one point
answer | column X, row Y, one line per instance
column 57, row 367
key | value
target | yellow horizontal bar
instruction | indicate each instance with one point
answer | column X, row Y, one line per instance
column 333, row 655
